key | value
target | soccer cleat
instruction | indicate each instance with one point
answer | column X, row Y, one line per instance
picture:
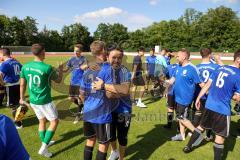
column 44, row 151
column 178, row 137
column 18, row 127
column 187, row 149
column 51, row 143
column 77, row 119
column 141, row 105
column 209, row 138
column 114, row 155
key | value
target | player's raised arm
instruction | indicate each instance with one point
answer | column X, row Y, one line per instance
column 58, row 78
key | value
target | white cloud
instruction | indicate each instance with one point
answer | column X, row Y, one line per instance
column 153, row 2
column 102, row 13
column 113, row 15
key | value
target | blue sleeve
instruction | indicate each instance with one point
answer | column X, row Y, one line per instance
column 4, row 68
column 10, row 141
column 102, row 74
column 196, row 77
column 69, row 63
column 237, row 86
column 147, row 59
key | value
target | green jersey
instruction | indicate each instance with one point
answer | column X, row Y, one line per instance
column 38, row 76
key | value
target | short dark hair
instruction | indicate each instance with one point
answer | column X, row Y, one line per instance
column 37, row 49
column 186, row 52
column 205, row 52
column 141, row 49
column 152, row 49
column 6, row 51
column 236, row 54
column 114, row 47
column 97, row 46
column 79, row 46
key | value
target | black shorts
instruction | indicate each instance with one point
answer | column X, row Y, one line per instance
column 219, row 123
column 171, row 101
column 13, row 95
column 151, row 77
column 202, row 105
column 74, row 91
column 120, row 126
column 101, row 131
column 182, row 111
column 139, row 81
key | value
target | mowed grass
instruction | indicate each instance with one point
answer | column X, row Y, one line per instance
column 148, row 140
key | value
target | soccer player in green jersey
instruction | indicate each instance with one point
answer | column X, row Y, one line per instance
column 37, row 75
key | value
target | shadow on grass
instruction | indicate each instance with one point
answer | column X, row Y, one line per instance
column 64, row 111
column 68, row 136
column 148, row 143
column 30, row 121
column 63, row 97
column 231, row 140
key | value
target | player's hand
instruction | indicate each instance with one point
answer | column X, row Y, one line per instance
column 198, row 104
column 22, row 101
column 98, row 85
column 95, row 67
column 60, row 67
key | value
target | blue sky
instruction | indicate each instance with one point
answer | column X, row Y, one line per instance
column 134, row 14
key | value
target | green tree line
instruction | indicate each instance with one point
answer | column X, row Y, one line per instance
column 218, row 29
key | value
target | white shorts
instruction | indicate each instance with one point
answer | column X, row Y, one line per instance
column 47, row 111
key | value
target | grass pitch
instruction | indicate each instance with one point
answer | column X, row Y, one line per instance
column 148, row 140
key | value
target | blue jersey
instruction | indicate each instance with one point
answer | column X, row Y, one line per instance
column 225, row 82
column 97, row 107
column 171, row 69
column 11, row 147
column 74, row 63
column 11, row 69
column 150, row 60
column 119, row 76
column 205, row 70
column 186, row 78
column 167, row 59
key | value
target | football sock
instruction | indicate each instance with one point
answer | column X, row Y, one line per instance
column 218, row 151
column 48, row 136
column 42, row 135
column 196, row 138
column 88, row 153
column 101, row 156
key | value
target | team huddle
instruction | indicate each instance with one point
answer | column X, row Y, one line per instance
column 100, row 88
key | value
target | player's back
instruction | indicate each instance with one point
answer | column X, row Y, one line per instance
column 225, row 82
column 38, row 76
column 206, row 69
column 11, row 69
